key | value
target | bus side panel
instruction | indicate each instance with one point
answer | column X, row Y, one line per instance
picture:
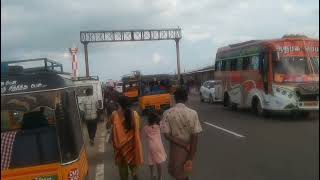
column 219, row 75
column 238, row 84
column 251, row 80
column 235, row 90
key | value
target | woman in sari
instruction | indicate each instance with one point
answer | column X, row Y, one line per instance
column 126, row 139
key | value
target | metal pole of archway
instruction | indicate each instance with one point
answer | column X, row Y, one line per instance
column 178, row 60
column 85, row 44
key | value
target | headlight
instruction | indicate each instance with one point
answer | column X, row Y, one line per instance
column 284, row 92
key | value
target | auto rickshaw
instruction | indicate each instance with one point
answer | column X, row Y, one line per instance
column 131, row 86
column 40, row 125
column 155, row 93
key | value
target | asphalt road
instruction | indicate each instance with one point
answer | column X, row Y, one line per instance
column 236, row 146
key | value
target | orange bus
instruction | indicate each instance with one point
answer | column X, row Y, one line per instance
column 270, row 75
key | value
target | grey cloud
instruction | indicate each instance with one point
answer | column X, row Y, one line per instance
column 48, row 28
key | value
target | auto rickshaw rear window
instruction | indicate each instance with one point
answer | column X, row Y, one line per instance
column 26, row 111
column 30, row 118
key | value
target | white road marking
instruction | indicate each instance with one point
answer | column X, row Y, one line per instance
column 103, row 133
column 101, row 146
column 100, row 172
column 225, row 130
column 107, row 137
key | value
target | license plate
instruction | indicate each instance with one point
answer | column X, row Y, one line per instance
column 46, row 178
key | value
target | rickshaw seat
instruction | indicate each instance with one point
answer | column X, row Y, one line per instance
column 22, row 155
column 34, row 147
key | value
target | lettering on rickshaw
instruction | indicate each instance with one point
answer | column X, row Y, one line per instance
column 74, row 174
column 37, row 85
column 13, row 86
column 8, row 83
column 18, row 87
column 46, row 178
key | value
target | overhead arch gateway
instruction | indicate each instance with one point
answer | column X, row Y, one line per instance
column 87, row 37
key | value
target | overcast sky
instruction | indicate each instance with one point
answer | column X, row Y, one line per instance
column 44, row 28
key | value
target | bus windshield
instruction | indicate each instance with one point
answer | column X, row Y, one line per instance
column 296, row 69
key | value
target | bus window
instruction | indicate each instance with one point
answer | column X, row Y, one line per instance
column 264, row 70
column 250, row 63
column 228, row 65
column 315, row 64
column 291, row 65
column 245, row 63
column 239, row 64
column 219, row 66
column 223, row 65
column 233, row 64
column 254, row 63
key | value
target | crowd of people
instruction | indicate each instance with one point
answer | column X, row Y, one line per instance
column 179, row 125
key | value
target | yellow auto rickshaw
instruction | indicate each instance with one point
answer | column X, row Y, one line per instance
column 155, row 93
column 131, row 86
column 40, row 125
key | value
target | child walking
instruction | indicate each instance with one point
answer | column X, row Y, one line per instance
column 156, row 152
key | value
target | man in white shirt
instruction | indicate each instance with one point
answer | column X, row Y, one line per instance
column 181, row 127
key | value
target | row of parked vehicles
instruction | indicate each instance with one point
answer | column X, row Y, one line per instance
column 278, row 75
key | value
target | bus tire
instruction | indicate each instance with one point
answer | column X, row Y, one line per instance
column 226, row 100
column 257, row 108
